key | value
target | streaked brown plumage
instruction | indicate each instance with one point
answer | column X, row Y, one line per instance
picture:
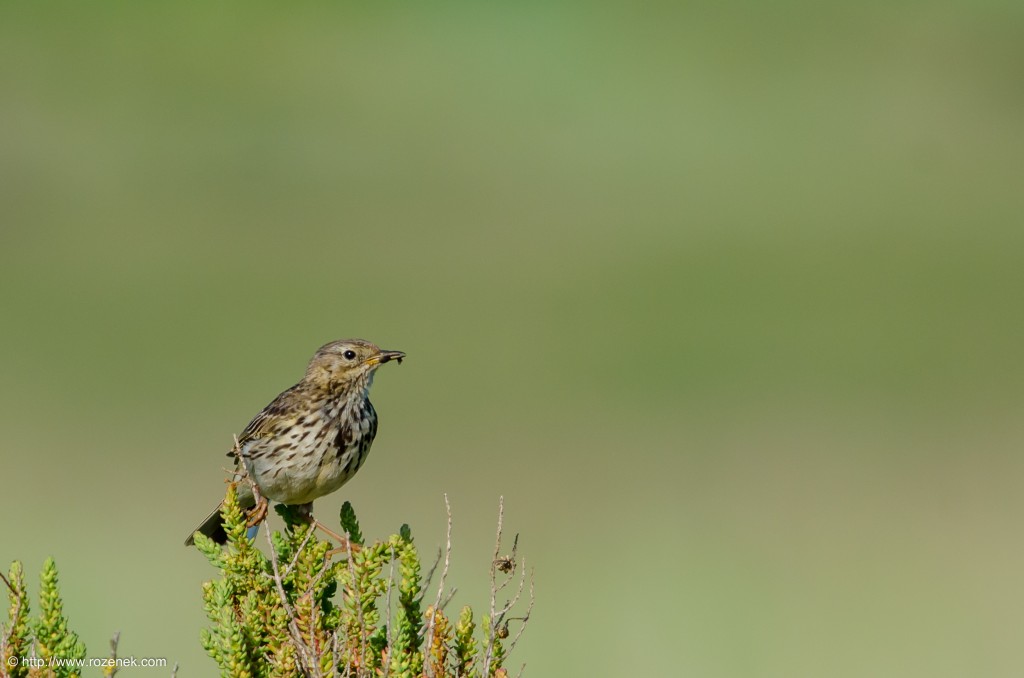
column 313, row 437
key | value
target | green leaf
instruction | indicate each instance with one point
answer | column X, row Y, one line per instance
column 53, row 637
column 350, row 524
column 19, row 630
column 306, row 612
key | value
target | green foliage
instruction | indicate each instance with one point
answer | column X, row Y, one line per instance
column 350, row 524
column 308, row 610
column 53, row 639
column 16, row 635
column 465, row 646
column 29, row 649
column 303, row 611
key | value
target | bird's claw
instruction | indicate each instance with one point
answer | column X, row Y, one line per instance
column 258, row 513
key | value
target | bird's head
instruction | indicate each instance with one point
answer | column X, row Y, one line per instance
column 347, row 363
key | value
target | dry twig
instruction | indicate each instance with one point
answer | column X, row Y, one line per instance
column 429, row 629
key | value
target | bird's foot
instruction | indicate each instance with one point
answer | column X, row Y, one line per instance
column 259, row 513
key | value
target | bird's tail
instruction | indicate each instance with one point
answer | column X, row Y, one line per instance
column 213, row 527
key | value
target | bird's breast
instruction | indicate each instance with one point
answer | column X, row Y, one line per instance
column 317, row 455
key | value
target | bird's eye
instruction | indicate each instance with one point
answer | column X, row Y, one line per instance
column 349, row 354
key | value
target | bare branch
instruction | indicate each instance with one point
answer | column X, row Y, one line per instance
column 526, row 617
column 112, row 667
column 440, row 587
column 448, row 598
column 491, row 622
column 6, row 638
column 515, row 599
column 387, row 608
column 9, row 585
column 307, row 661
column 433, row 569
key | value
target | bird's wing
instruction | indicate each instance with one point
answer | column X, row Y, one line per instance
column 264, row 422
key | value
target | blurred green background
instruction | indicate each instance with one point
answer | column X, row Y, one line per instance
column 724, row 298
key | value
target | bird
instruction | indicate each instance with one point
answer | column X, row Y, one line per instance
column 311, row 439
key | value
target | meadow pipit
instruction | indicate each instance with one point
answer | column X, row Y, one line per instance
column 313, row 437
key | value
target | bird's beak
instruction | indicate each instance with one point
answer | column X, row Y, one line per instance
column 386, row 356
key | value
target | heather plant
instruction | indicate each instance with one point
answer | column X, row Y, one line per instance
column 299, row 607
column 44, row 646
column 307, row 610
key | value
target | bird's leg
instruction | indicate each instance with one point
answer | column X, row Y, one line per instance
column 259, row 512
column 346, row 545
